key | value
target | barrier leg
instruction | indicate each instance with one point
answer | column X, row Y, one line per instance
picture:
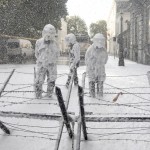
column 63, row 111
column 82, row 112
column 4, row 128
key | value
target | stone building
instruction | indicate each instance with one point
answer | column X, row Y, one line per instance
column 133, row 23
column 119, row 11
column 140, row 31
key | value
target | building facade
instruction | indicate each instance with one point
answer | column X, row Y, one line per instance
column 132, row 21
column 140, row 31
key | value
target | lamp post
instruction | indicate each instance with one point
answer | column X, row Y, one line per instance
column 121, row 57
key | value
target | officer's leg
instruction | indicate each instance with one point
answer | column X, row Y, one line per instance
column 100, row 88
column 51, row 77
column 92, row 88
column 68, row 81
column 69, row 78
column 97, row 85
column 75, row 77
column 50, row 88
column 40, row 77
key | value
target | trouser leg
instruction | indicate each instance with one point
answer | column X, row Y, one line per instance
column 92, row 88
column 38, row 90
column 40, row 77
column 100, row 88
column 68, row 81
column 50, row 88
column 50, row 81
column 69, row 78
column 75, row 77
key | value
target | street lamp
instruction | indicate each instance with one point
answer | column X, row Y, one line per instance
column 121, row 57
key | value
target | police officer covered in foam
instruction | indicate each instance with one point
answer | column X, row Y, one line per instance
column 95, row 59
column 74, row 57
column 46, row 52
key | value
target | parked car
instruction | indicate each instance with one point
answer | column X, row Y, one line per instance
column 19, row 50
column 3, row 52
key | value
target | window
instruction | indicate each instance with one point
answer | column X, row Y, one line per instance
column 13, row 45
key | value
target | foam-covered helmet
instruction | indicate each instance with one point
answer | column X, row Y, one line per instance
column 99, row 40
column 70, row 39
column 49, row 32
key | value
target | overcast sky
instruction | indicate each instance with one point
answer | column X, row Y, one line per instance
column 90, row 10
